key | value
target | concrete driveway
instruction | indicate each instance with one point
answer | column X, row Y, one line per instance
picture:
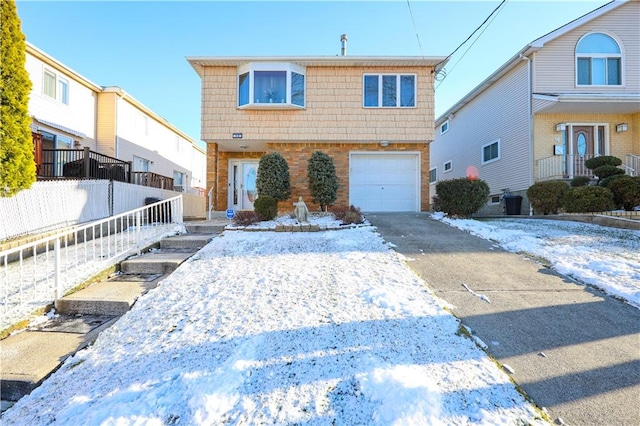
column 573, row 349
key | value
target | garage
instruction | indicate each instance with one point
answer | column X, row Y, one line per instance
column 385, row 181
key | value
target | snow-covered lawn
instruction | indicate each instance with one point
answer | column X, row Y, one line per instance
column 317, row 328
column 607, row 258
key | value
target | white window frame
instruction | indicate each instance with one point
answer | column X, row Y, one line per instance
column 146, row 164
column 444, row 167
column 496, row 141
column 444, row 127
column 380, row 91
column 493, row 201
column 60, row 86
column 600, row 56
column 434, row 169
column 286, row 67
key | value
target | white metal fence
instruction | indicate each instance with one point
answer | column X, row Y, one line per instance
column 52, row 205
column 36, row 274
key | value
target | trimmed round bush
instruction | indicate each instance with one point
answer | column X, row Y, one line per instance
column 607, row 181
column 463, row 196
column 273, row 177
column 588, row 199
column 606, row 171
column 626, row 192
column 546, row 197
column 580, row 181
column 266, row 207
column 603, row 160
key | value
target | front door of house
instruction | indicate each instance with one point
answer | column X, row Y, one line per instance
column 582, row 149
column 242, row 184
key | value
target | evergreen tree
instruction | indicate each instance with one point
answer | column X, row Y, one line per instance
column 323, row 181
column 17, row 166
column 273, row 177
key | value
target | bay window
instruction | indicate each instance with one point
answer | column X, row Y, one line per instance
column 271, row 85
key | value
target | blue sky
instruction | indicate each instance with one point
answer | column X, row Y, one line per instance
column 141, row 46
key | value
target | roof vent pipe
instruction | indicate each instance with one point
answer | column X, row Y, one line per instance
column 343, row 40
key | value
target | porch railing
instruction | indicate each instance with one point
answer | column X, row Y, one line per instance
column 152, row 179
column 570, row 166
column 632, row 164
column 38, row 273
column 563, row 167
column 82, row 163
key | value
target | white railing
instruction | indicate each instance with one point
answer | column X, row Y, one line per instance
column 632, row 165
column 563, row 167
column 36, row 274
column 210, row 204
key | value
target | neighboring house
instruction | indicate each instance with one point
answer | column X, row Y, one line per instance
column 565, row 97
column 372, row 115
column 69, row 112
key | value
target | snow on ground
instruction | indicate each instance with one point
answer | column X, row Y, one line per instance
column 604, row 257
column 318, row 328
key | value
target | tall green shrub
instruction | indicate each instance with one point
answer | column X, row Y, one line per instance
column 273, row 177
column 266, row 206
column 546, row 197
column 626, row 192
column 323, row 181
column 588, row 199
column 18, row 169
column 604, row 166
column 462, row 196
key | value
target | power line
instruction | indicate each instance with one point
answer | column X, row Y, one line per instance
column 474, row 42
column 471, row 35
column 415, row 29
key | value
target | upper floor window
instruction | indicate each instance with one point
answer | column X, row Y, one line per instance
column 271, row 85
column 448, row 166
column 389, row 91
column 55, row 87
column 491, row 152
column 598, row 61
column 444, row 127
column 433, row 175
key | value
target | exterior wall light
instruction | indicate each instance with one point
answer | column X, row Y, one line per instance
column 560, row 127
column 622, row 127
column 384, row 143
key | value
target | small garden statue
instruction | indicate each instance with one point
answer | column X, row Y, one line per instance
column 301, row 211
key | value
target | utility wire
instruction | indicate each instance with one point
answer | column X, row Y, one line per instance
column 415, row 29
column 468, row 38
column 470, row 46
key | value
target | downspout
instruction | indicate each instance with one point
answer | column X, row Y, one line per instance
column 530, row 118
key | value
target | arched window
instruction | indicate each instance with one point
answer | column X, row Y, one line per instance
column 598, row 61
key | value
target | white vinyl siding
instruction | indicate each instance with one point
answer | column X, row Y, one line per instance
column 555, row 63
column 500, row 112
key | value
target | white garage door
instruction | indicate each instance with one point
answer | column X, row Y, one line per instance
column 386, row 182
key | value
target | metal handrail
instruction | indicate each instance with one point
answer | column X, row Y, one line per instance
column 37, row 273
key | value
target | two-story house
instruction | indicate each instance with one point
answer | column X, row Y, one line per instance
column 69, row 112
column 565, row 97
column 372, row 115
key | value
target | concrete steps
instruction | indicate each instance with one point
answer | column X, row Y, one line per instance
column 29, row 357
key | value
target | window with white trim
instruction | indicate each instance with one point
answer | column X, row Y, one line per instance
column 448, row 166
column 55, row 87
column 389, row 91
column 433, row 175
column 271, row 85
column 491, row 152
column 141, row 164
column 444, row 127
column 598, row 61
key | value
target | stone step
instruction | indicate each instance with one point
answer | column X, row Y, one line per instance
column 188, row 241
column 158, row 262
column 206, row 228
column 113, row 297
column 29, row 357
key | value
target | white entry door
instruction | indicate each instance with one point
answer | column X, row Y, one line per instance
column 385, row 182
column 242, row 184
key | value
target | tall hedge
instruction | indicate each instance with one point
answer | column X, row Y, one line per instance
column 18, row 169
column 323, row 180
column 462, row 196
column 547, row 197
column 273, row 177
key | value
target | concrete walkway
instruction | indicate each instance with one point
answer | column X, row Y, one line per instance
column 573, row 349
